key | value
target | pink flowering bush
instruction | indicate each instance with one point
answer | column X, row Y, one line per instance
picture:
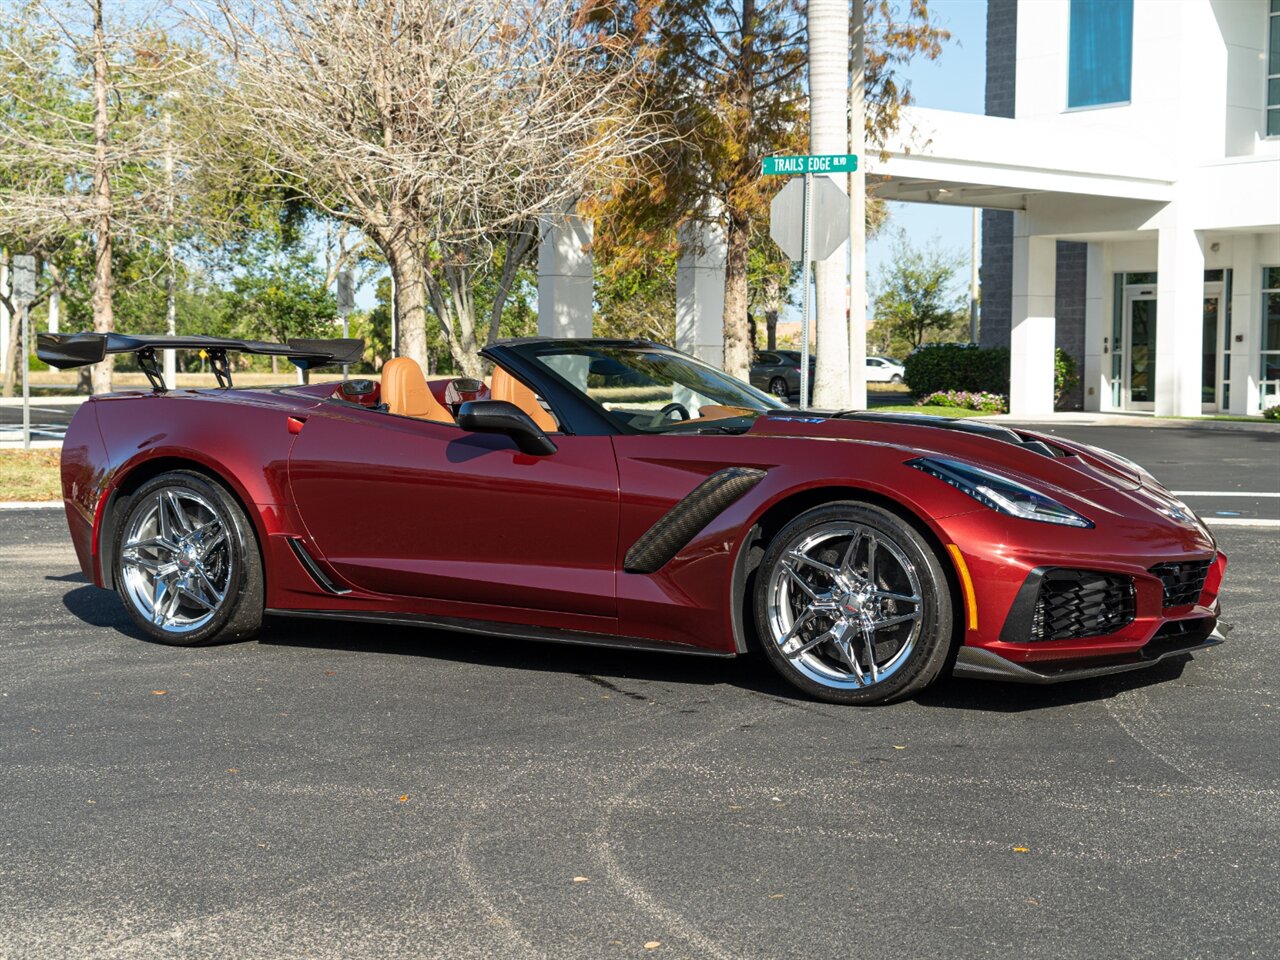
column 968, row 400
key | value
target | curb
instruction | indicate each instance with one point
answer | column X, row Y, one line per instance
column 45, row 401
column 31, row 505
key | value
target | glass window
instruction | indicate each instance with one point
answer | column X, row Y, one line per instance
column 647, row 389
column 1100, row 55
column 1270, row 372
column 1139, row 278
column 1273, row 70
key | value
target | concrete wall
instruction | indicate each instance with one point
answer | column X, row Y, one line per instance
column 997, row 225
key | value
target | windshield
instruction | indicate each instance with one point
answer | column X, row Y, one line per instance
column 651, row 389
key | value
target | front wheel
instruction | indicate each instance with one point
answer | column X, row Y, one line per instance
column 896, row 378
column 852, row 605
column 187, row 564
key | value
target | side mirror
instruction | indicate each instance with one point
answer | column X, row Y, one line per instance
column 499, row 416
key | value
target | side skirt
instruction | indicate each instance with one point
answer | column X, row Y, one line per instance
column 515, row 631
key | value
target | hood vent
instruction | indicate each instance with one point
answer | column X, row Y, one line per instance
column 989, row 430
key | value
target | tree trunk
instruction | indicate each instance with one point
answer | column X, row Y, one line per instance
column 11, row 353
column 737, row 345
column 103, row 318
column 772, row 300
column 828, row 23
column 410, row 303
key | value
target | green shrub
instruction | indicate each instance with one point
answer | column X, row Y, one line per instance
column 958, row 367
column 1272, row 413
column 946, row 367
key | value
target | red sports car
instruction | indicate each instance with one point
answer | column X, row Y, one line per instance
column 619, row 492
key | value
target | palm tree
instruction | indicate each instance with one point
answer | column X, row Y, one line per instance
column 829, row 133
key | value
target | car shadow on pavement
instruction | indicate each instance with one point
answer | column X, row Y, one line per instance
column 623, row 671
column 954, row 693
column 99, row 608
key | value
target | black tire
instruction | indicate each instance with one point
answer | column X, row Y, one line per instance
column 896, row 378
column 229, row 569
column 778, row 387
column 911, row 654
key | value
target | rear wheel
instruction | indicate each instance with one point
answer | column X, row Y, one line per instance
column 852, row 605
column 187, row 564
column 778, row 387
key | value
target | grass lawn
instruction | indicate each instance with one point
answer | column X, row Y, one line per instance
column 933, row 411
column 30, row 475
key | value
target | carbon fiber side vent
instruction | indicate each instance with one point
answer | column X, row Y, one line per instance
column 681, row 523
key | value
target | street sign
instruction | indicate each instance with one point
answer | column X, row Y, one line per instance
column 24, row 278
column 816, row 163
column 346, row 292
column 829, row 218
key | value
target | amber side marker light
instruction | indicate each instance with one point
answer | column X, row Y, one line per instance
column 966, row 584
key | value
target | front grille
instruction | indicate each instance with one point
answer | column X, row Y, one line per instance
column 1182, row 581
column 1072, row 604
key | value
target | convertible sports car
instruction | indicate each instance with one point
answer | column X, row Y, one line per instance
column 619, row 492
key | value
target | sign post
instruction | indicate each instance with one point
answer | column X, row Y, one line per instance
column 808, row 227
column 346, row 303
column 24, row 291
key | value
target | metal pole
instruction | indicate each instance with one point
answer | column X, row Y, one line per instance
column 973, row 278
column 345, row 333
column 804, row 310
column 170, row 283
column 25, row 310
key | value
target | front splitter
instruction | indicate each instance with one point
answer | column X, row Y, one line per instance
column 979, row 664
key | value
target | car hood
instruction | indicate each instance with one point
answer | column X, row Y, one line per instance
column 1020, row 454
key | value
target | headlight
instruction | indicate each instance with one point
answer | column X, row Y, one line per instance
column 1000, row 493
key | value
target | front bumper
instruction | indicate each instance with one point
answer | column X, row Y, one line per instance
column 981, row 664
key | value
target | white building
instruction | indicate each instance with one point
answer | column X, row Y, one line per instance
column 1136, row 147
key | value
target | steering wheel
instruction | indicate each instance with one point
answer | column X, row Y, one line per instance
column 669, row 409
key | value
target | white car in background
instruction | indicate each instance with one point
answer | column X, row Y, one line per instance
column 884, row 370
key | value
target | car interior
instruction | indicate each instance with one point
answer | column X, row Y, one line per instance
column 406, row 392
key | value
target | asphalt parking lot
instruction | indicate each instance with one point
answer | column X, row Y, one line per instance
column 333, row 791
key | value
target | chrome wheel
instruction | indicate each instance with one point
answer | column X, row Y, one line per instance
column 778, row 387
column 176, row 560
column 844, row 605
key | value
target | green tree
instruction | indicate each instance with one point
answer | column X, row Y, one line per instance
column 918, row 298
column 731, row 74
column 277, row 295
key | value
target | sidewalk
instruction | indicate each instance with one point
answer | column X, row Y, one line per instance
column 1080, row 418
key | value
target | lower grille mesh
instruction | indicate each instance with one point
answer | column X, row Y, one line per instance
column 1081, row 603
column 1182, row 581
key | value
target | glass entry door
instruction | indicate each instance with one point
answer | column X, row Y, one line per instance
column 1211, row 353
column 1139, row 368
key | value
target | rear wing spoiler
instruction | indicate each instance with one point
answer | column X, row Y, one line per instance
column 65, row 351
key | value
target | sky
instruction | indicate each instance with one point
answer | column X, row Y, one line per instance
column 955, row 81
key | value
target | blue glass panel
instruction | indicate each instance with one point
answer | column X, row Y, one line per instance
column 1101, row 53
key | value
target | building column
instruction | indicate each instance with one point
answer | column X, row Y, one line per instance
column 1097, row 330
column 566, row 298
column 1246, row 330
column 700, row 290
column 1179, row 319
column 1031, row 334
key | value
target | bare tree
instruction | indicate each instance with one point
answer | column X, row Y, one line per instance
column 442, row 129
column 81, row 149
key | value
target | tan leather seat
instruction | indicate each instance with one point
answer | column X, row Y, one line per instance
column 405, row 392
column 718, row 411
column 503, row 386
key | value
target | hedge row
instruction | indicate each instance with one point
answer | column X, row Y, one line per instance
column 976, row 369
